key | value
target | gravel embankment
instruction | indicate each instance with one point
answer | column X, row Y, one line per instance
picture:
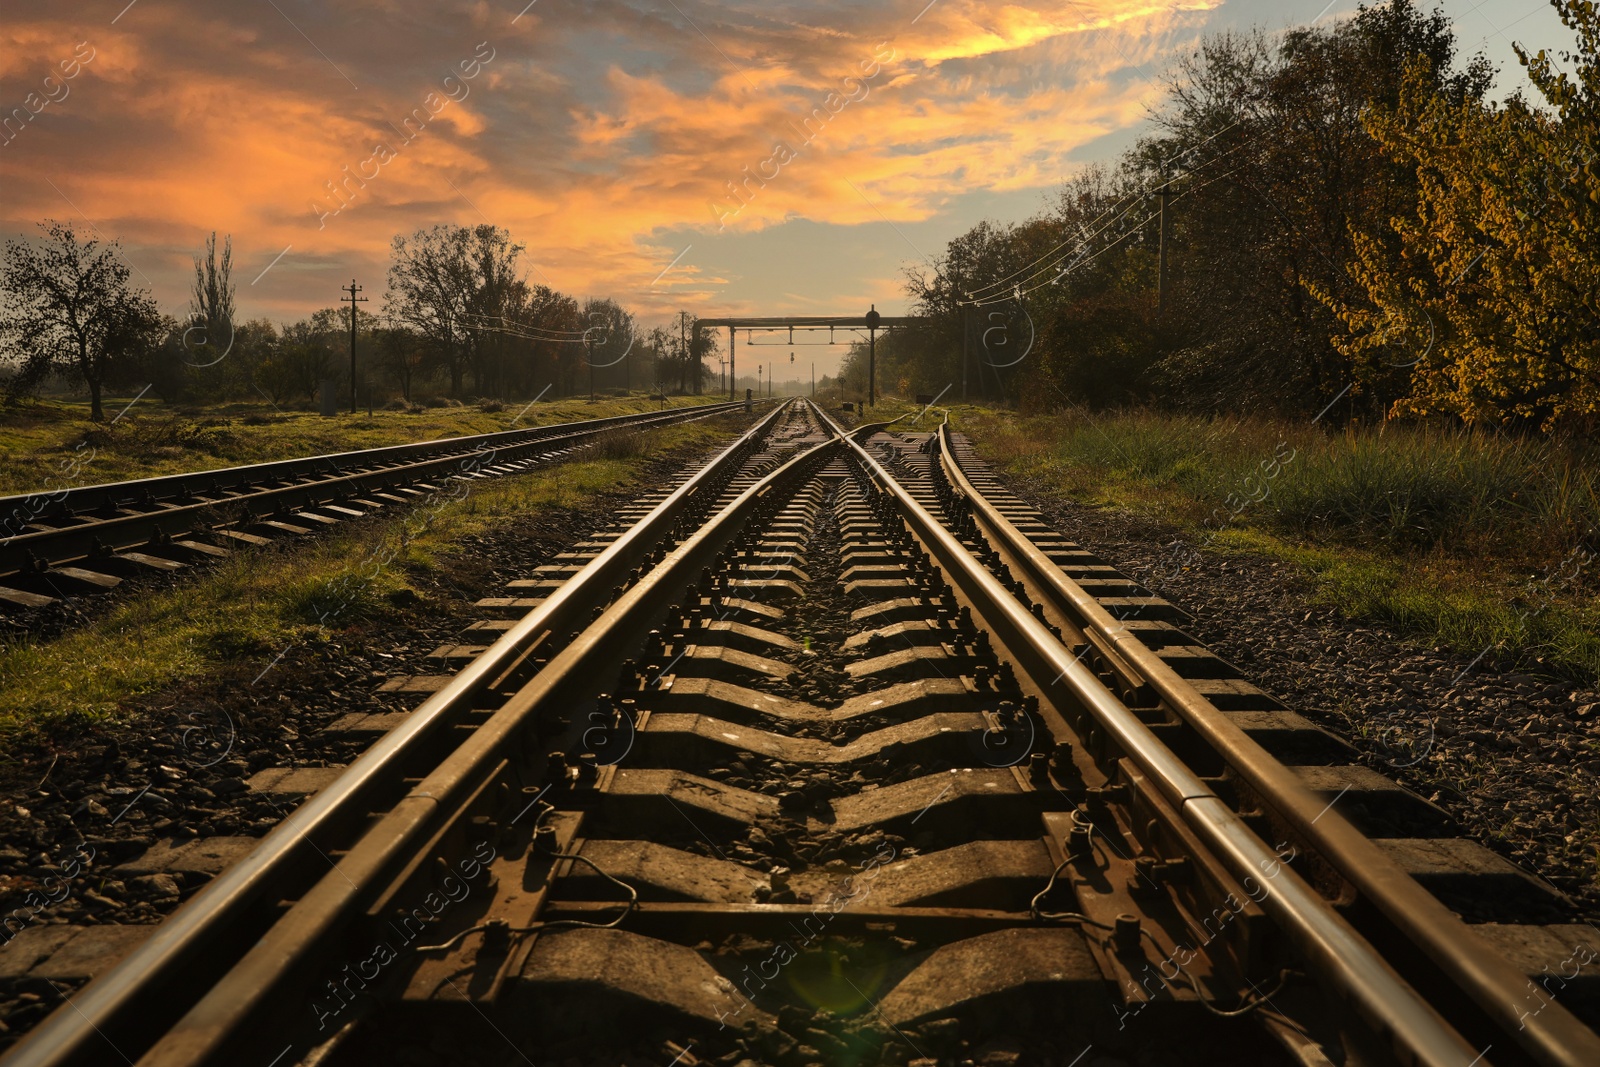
column 71, row 811
column 1514, row 758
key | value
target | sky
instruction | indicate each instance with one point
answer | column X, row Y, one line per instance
column 609, row 137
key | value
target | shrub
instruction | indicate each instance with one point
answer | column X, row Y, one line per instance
column 165, row 437
column 334, row 601
column 619, row 444
column 1415, row 485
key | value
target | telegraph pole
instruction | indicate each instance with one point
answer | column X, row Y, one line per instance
column 872, row 356
column 684, row 343
column 1166, row 192
column 966, row 347
column 588, row 354
column 352, row 289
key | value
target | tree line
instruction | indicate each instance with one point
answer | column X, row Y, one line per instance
column 458, row 317
column 1352, row 227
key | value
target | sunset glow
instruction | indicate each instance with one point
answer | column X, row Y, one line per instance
column 737, row 158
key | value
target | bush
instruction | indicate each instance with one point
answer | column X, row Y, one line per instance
column 334, row 601
column 619, row 444
column 162, row 436
column 490, row 406
column 1415, row 485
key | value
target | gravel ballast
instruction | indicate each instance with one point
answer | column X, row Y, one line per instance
column 1513, row 757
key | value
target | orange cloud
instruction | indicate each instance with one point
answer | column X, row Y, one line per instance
column 603, row 138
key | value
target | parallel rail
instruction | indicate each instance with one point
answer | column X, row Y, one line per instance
column 1318, row 932
column 1493, row 984
column 137, row 1001
column 1148, row 801
column 92, row 525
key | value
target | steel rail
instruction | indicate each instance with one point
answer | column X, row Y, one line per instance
column 256, row 993
column 91, row 497
column 1553, row 1036
column 1313, row 927
column 404, row 464
column 131, row 1002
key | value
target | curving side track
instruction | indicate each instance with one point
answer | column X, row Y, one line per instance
column 840, row 756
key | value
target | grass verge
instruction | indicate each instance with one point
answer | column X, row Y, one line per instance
column 250, row 607
column 1465, row 540
column 52, row 445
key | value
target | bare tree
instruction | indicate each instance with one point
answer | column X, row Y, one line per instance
column 400, row 353
column 69, row 308
column 609, row 341
column 455, row 285
column 210, row 336
column 430, row 290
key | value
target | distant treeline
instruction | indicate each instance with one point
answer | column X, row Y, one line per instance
column 1352, row 226
column 456, row 318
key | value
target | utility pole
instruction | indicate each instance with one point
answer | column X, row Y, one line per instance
column 352, row 289
column 872, row 356
column 1166, row 192
column 732, row 372
column 588, row 355
column 683, row 346
column 966, row 328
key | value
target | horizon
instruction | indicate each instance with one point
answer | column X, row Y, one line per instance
column 664, row 156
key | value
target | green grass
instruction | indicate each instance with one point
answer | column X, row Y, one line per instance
column 1448, row 601
column 241, row 613
column 1467, row 540
column 53, row 445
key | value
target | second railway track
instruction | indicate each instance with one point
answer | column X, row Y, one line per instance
column 72, row 541
column 841, row 756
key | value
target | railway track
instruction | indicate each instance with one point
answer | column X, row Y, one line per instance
column 86, row 540
column 839, row 755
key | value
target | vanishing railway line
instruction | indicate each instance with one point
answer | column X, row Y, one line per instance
column 87, row 539
column 834, row 753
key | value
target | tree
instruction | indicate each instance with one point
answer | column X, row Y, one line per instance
column 493, row 291
column 69, row 308
column 430, row 290
column 457, row 286
column 210, row 335
column 400, row 354
column 707, row 349
column 609, row 332
column 1486, row 293
column 304, row 356
column 1279, row 178
column 1273, row 183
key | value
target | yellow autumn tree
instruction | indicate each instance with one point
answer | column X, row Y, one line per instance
column 1485, row 302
